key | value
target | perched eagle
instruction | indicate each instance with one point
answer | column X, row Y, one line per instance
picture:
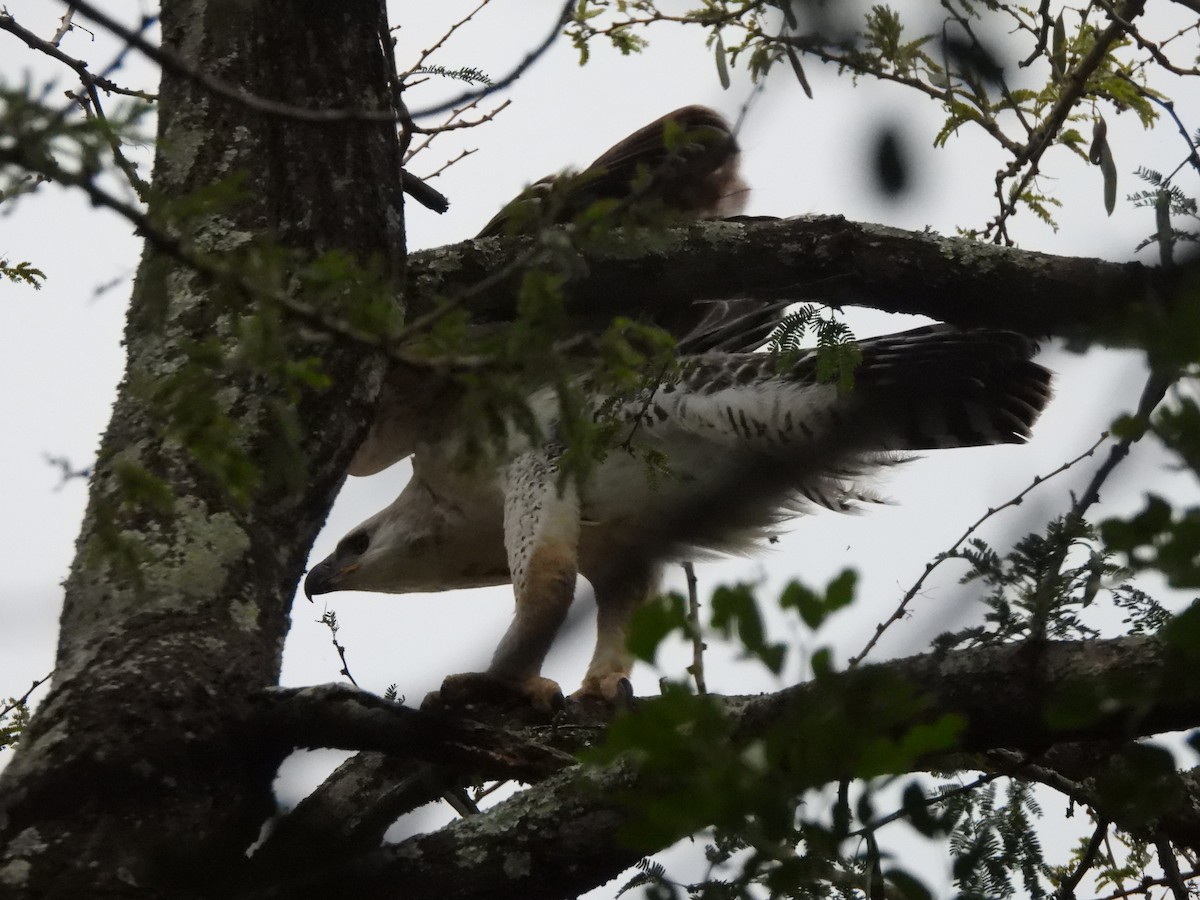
column 747, row 439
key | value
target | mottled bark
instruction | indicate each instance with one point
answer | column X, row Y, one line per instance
column 563, row 836
column 132, row 778
column 147, row 771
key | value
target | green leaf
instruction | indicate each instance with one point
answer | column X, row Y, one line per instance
column 722, row 69
column 735, row 614
column 652, row 623
column 905, row 886
column 1058, row 54
column 813, row 608
column 1108, row 169
column 22, row 273
column 1140, row 784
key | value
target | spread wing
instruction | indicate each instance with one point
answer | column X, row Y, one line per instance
column 747, row 443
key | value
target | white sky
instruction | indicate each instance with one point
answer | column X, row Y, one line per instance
column 63, row 357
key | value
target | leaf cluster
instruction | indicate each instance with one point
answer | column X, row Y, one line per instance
column 837, row 353
column 1043, row 585
column 1075, row 62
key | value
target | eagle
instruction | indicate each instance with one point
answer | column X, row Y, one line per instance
column 715, row 455
column 747, row 439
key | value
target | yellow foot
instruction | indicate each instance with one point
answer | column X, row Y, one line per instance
column 614, row 689
column 469, row 688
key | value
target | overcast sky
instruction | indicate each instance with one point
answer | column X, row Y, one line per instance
column 63, row 358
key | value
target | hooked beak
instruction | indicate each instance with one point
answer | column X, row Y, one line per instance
column 319, row 579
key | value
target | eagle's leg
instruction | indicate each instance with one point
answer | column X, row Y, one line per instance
column 618, row 597
column 541, row 537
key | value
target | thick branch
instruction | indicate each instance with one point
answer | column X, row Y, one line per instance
column 333, row 715
column 821, row 258
column 571, row 823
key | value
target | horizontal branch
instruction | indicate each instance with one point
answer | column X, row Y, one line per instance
column 571, row 822
column 341, row 717
column 819, row 258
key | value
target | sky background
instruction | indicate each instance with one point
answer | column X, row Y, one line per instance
column 63, row 358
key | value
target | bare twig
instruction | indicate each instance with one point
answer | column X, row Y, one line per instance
column 1143, row 887
column 329, row 620
column 1066, row 891
column 458, row 126
column 693, row 618
column 140, row 186
column 530, row 58
column 24, row 698
column 425, row 54
column 67, row 471
column 931, row 800
column 902, row 608
column 1149, row 46
column 9, row 24
column 463, row 154
column 1193, row 157
column 409, row 153
column 64, row 25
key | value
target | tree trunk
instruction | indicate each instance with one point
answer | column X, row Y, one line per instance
column 130, row 780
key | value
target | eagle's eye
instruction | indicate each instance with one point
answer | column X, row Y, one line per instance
column 354, row 544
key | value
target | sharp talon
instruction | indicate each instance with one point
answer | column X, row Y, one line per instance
column 624, row 694
column 614, row 689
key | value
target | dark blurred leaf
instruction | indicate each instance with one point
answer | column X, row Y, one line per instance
column 891, row 164
column 722, row 68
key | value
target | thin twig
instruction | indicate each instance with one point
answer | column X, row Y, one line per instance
column 430, row 135
column 932, row 800
column 902, row 608
column 458, row 126
column 64, row 25
column 1193, row 157
column 9, row 24
column 1066, row 891
column 425, row 54
column 463, row 154
column 693, row 618
column 24, row 698
column 329, row 620
column 530, row 58
column 140, row 186
column 1149, row 46
column 1143, row 886
column 1074, row 84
